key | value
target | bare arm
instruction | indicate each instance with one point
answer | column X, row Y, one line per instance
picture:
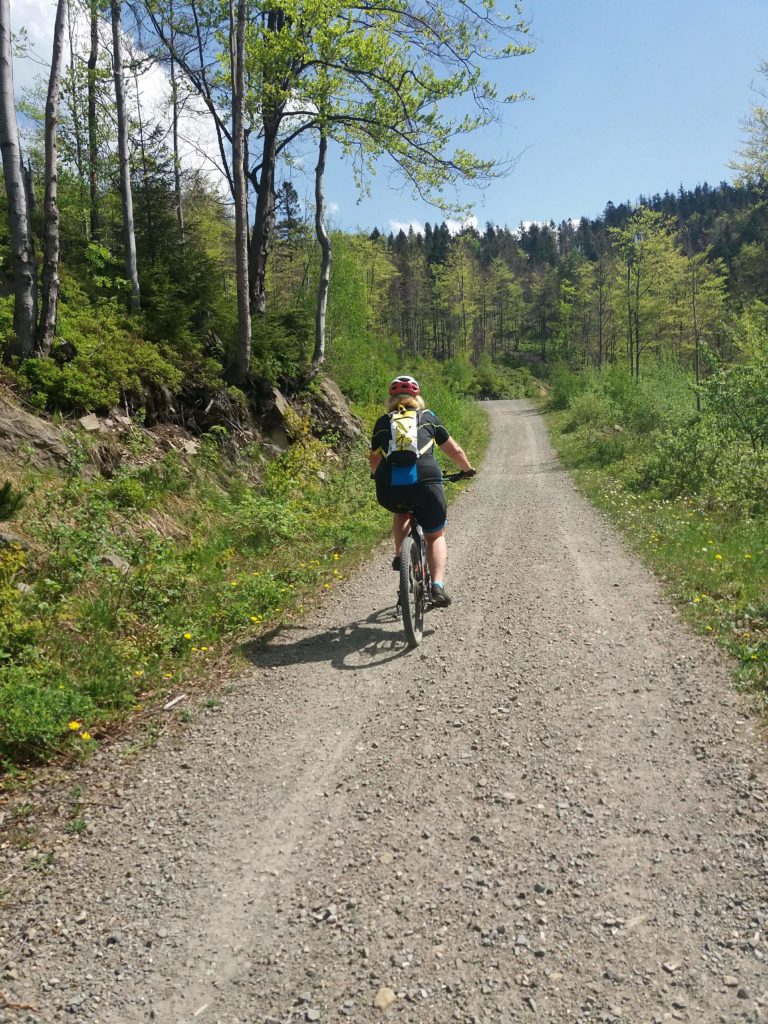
column 374, row 458
column 456, row 454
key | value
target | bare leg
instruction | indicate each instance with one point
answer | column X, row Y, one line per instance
column 401, row 525
column 437, row 556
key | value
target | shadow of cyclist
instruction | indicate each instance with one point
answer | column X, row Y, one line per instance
column 352, row 647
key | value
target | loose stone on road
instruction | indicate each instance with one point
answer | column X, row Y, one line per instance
column 553, row 810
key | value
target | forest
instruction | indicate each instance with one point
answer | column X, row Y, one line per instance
column 167, row 279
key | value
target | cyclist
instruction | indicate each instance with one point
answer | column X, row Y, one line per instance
column 419, row 485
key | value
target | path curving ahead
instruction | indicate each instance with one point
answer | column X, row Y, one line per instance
column 554, row 810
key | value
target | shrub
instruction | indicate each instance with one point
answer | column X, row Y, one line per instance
column 128, row 492
column 565, row 385
column 11, row 500
column 35, row 715
column 590, row 409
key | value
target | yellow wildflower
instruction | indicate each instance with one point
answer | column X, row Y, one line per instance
column 718, row 558
column 187, row 636
column 74, row 726
column 85, row 736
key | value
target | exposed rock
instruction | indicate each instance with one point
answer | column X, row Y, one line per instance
column 9, row 540
column 331, row 413
column 20, row 431
column 91, row 423
column 384, row 998
column 116, row 561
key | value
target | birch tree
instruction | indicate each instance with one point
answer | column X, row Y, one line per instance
column 240, row 363
column 93, row 152
column 126, row 192
column 50, row 290
column 22, row 244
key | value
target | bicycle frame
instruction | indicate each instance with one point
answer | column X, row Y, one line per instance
column 415, row 589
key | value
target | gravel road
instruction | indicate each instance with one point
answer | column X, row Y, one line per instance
column 554, row 810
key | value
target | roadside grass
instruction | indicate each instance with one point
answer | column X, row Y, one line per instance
column 132, row 587
column 713, row 561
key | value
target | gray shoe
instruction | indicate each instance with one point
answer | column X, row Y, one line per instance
column 440, row 597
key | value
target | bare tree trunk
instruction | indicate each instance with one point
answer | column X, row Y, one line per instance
column 76, row 122
column 50, row 291
column 93, row 149
column 240, row 364
column 325, row 248
column 131, row 271
column 263, row 219
column 144, row 172
column 175, row 135
column 22, row 245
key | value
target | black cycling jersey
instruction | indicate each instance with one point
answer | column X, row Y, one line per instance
column 427, row 467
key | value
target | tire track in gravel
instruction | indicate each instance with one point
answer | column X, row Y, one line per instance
column 554, row 810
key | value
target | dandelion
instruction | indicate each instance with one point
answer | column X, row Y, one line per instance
column 139, row 672
column 168, row 675
column 709, row 629
column 187, row 636
column 85, row 736
column 203, row 648
column 233, row 583
column 326, row 586
column 747, row 554
column 697, row 600
column 256, row 618
column 74, row 726
column 335, row 556
column 718, row 558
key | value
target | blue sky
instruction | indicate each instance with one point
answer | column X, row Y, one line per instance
column 631, row 97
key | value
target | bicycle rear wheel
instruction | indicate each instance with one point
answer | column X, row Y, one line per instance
column 412, row 591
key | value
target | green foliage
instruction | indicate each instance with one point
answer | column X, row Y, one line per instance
column 111, row 362
column 492, row 380
column 690, row 490
column 282, row 344
column 736, row 395
column 128, row 492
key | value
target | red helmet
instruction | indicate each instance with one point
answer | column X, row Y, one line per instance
column 404, row 385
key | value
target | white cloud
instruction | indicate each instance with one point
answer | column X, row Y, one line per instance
column 397, row 225
column 455, row 227
column 198, row 144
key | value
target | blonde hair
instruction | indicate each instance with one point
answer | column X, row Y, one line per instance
column 406, row 401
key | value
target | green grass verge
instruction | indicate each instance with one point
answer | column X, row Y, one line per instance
column 715, row 565
column 134, row 585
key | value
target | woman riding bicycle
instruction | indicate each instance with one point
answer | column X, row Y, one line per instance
column 408, row 476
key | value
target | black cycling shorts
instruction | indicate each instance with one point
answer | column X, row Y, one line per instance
column 426, row 500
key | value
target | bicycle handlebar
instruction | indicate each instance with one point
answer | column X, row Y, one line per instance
column 461, row 475
column 453, row 477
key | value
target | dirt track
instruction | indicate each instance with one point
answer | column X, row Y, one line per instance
column 554, row 810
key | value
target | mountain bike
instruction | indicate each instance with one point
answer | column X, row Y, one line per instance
column 415, row 591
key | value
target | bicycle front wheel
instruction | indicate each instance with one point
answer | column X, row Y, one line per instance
column 412, row 591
